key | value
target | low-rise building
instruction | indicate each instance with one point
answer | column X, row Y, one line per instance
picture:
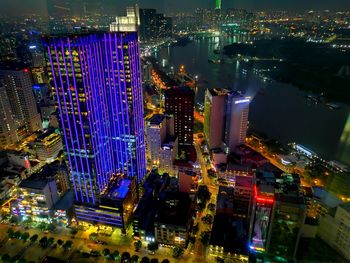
column 48, row 145
column 174, row 220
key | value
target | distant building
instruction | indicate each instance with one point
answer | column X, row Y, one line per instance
column 154, row 26
column 8, row 127
column 214, row 114
column 237, row 108
column 48, row 145
column 335, row 230
column 159, row 127
column 174, row 220
column 18, row 84
column 128, row 23
column 179, row 102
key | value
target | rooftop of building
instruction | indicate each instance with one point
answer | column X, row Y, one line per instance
column 225, row 197
column 156, row 119
column 180, row 90
column 117, row 188
column 47, row 135
column 169, row 141
column 229, row 233
column 175, row 209
column 34, row 182
column 345, row 206
column 65, row 202
column 219, row 92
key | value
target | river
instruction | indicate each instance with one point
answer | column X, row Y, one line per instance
column 279, row 110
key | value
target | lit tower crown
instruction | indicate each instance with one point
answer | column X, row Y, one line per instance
column 218, row 4
column 97, row 86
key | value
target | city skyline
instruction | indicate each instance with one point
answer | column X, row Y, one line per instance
column 170, row 7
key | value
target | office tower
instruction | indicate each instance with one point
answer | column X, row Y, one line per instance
column 179, row 102
column 97, row 84
column 48, row 145
column 237, row 108
column 214, row 117
column 8, row 134
column 128, row 23
column 18, row 84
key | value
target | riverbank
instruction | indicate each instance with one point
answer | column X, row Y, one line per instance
column 312, row 67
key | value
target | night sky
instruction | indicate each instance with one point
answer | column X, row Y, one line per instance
column 170, row 6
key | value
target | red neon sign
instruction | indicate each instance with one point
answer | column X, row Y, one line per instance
column 262, row 199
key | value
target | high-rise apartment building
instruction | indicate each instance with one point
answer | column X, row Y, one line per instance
column 18, row 84
column 179, row 102
column 154, row 25
column 97, row 82
column 158, row 128
column 8, row 134
column 214, row 114
column 237, row 109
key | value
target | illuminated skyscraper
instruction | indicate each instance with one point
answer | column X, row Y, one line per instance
column 97, row 84
column 218, row 4
column 237, row 109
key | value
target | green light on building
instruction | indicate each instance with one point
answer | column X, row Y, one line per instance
column 218, row 4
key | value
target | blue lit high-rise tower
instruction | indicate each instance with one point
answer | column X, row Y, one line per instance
column 97, row 85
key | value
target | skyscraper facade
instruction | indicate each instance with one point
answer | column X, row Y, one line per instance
column 18, row 85
column 214, row 114
column 179, row 102
column 8, row 127
column 97, row 85
column 237, row 109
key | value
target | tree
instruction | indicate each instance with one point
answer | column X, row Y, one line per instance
column 68, row 244
column 125, row 257
column 137, row 245
column 153, row 246
column 10, row 233
column 6, row 258
column 25, row 236
column 17, row 234
column 154, row 260
column 43, row 242
column 106, row 253
column 42, row 226
column 50, row 241
column 134, row 259
column 60, row 242
column 73, row 231
column 211, row 207
column 28, row 221
column 195, row 229
column 51, row 227
column 34, row 238
column 208, row 219
column 115, row 255
column 177, row 252
column 145, row 260
column 14, row 220
column 93, row 236
column 203, row 194
column 205, row 237
column 165, row 261
column 201, row 206
column 192, row 240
